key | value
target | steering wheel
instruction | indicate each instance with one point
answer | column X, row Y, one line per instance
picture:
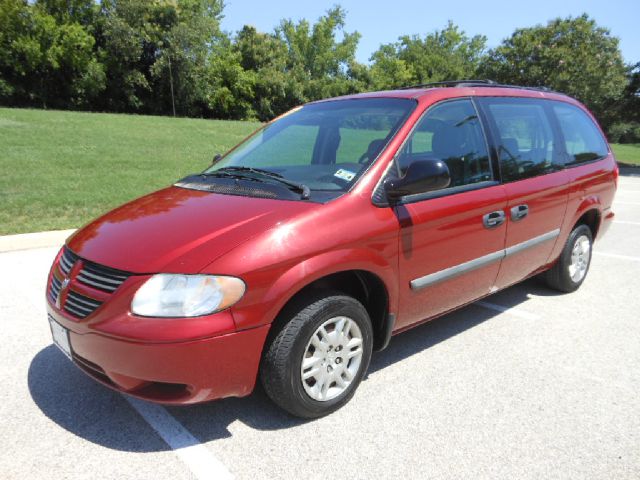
column 374, row 148
column 363, row 157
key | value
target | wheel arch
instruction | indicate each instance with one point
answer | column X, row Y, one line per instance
column 364, row 286
column 588, row 213
column 375, row 289
column 592, row 219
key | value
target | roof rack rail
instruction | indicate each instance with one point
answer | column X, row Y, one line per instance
column 473, row 83
column 452, row 83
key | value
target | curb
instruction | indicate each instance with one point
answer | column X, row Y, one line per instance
column 27, row 241
column 628, row 171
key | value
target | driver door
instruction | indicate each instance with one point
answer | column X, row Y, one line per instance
column 451, row 240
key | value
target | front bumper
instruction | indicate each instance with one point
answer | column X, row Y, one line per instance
column 173, row 373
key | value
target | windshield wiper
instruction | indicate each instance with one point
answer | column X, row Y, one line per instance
column 305, row 191
column 219, row 173
column 248, row 169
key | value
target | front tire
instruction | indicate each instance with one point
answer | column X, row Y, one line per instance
column 571, row 269
column 316, row 360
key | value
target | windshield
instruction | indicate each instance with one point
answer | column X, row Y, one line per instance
column 323, row 146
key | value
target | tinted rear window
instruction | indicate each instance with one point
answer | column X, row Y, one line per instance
column 583, row 141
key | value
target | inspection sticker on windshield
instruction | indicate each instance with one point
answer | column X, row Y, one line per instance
column 344, row 175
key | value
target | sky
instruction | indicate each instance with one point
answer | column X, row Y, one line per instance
column 384, row 21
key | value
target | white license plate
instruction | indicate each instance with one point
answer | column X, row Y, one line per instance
column 60, row 337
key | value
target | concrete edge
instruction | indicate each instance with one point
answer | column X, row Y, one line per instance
column 629, row 171
column 27, row 241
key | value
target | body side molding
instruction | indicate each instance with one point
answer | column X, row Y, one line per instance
column 476, row 263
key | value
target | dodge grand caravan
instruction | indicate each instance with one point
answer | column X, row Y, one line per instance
column 330, row 229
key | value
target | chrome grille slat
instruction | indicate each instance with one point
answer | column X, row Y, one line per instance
column 67, row 259
column 55, row 283
column 104, row 272
column 79, row 305
column 102, row 278
column 64, row 265
column 70, row 309
column 72, row 303
column 55, row 289
column 101, row 286
column 79, row 297
column 84, row 301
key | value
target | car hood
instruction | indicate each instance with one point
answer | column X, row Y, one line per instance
column 177, row 230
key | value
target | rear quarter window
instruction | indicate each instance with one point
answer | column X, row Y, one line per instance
column 582, row 139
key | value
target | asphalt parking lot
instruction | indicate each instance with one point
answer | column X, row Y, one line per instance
column 526, row 384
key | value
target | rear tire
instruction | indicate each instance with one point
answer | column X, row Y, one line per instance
column 315, row 360
column 572, row 267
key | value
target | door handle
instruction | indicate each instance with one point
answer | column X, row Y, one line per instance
column 493, row 219
column 519, row 212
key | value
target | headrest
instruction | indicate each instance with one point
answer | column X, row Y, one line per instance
column 447, row 142
column 511, row 146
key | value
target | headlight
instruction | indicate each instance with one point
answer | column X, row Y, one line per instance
column 168, row 295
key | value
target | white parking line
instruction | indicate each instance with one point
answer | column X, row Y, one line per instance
column 624, row 222
column 202, row 463
column 615, row 255
column 516, row 312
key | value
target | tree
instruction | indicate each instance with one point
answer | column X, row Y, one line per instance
column 571, row 55
column 447, row 54
column 316, row 59
column 155, row 52
column 273, row 90
column 229, row 85
column 44, row 62
column 82, row 12
column 251, row 78
column 261, row 75
column 630, row 104
column 626, row 128
column 14, row 23
column 179, row 72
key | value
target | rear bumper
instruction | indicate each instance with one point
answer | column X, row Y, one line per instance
column 172, row 373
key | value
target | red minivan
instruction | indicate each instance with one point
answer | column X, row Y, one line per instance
column 330, row 229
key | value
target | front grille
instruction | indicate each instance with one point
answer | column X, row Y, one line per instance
column 79, row 305
column 102, row 278
column 91, row 274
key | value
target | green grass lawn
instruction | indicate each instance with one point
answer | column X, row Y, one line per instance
column 61, row 169
column 628, row 154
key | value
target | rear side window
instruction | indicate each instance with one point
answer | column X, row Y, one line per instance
column 582, row 139
column 451, row 132
column 524, row 137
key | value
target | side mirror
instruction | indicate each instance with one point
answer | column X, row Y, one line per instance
column 421, row 176
column 216, row 157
